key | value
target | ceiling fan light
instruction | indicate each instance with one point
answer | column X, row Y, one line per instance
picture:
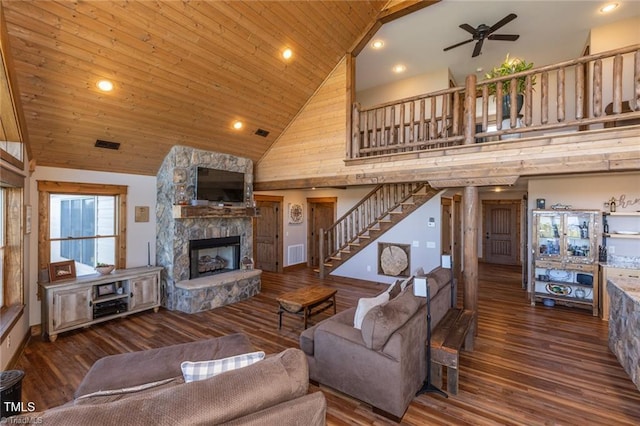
column 609, row 7
column 104, row 85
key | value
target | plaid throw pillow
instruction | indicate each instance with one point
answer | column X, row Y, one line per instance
column 193, row 371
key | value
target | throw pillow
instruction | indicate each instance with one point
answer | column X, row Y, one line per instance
column 365, row 304
column 193, row 371
column 383, row 320
column 394, row 289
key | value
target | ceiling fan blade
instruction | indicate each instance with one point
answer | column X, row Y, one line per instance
column 504, row 21
column 505, row 37
column 458, row 44
column 468, row 28
column 478, row 48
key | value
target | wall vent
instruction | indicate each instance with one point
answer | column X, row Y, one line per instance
column 107, row 144
column 262, row 132
column 295, row 254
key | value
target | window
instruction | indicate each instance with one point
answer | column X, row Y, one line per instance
column 85, row 222
column 11, row 249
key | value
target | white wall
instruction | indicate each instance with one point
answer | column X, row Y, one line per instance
column 141, row 191
column 417, row 85
column 413, row 230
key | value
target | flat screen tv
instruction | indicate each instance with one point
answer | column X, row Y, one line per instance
column 219, row 185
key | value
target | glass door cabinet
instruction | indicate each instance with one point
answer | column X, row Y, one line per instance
column 565, row 258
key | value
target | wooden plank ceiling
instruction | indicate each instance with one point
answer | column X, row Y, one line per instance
column 183, row 73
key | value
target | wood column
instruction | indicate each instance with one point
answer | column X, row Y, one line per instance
column 470, row 215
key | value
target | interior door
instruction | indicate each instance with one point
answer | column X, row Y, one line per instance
column 321, row 216
column 267, row 228
column 501, row 232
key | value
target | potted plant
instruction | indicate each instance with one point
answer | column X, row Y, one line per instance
column 104, row 268
column 507, row 67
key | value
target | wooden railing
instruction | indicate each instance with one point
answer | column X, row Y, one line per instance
column 373, row 207
column 569, row 95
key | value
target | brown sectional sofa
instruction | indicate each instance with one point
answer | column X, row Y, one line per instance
column 143, row 388
column 384, row 363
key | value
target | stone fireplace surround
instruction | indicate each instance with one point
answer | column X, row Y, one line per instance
column 173, row 235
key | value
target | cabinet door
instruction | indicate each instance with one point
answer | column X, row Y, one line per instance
column 144, row 292
column 579, row 246
column 548, row 231
column 71, row 307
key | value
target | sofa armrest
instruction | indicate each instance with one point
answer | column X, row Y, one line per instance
column 308, row 410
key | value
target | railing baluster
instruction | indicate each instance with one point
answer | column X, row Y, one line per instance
column 617, row 84
column 513, row 106
column 392, row 126
column 560, row 96
column 579, row 95
column 365, row 142
column 499, row 113
column 485, row 107
column 597, row 88
column 634, row 103
column 412, row 122
column 544, row 103
column 433, row 125
column 528, row 98
column 401, row 125
column 421, row 129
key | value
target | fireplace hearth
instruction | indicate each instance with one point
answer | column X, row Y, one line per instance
column 212, row 256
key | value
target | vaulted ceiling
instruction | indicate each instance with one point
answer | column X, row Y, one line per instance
column 184, row 72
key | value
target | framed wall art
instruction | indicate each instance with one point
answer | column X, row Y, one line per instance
column 295, row 213
column 59, row 271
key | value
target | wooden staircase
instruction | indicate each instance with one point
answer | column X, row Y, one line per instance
column 380, row 210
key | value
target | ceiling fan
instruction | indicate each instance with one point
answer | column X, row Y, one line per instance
column 483, row 32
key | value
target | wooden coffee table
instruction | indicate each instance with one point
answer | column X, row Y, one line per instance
column 303, row 301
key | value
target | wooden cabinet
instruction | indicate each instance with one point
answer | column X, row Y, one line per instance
column 87, row 300
column 565, row 268
column 144, row 292
column 71, row 307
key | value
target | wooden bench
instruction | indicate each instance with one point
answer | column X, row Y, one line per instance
column 447, row 338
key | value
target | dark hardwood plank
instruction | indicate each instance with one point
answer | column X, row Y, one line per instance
column 530, row 365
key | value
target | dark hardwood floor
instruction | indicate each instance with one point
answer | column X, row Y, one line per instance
column 530, row 365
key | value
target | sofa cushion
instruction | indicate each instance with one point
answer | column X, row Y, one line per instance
column 159, row 364
column 383, row 320
column 440, row 277
column 193, row 371
column 365, row 304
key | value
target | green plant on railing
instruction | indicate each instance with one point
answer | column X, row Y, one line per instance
column 508, row 67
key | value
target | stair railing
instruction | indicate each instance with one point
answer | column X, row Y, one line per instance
column 366, row 213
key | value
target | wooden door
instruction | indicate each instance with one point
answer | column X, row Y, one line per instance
column 321, row 216
column 501, row 232
column 267, row 229
column 446, row 239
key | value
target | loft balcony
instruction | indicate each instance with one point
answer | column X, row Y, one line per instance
column 591, row 97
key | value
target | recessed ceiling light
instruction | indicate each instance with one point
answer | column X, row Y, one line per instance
column 609, row 7
column 377, row 44
column 399, row 68
column 287, row 53
column 238, row 125
column 105, row 85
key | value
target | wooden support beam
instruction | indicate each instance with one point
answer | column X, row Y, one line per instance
column 470, row 255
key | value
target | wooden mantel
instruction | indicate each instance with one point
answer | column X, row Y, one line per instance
column 187, row 212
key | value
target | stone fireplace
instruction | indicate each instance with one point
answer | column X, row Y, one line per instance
column 175, row 232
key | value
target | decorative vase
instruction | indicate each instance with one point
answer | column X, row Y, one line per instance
column 506, row 105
